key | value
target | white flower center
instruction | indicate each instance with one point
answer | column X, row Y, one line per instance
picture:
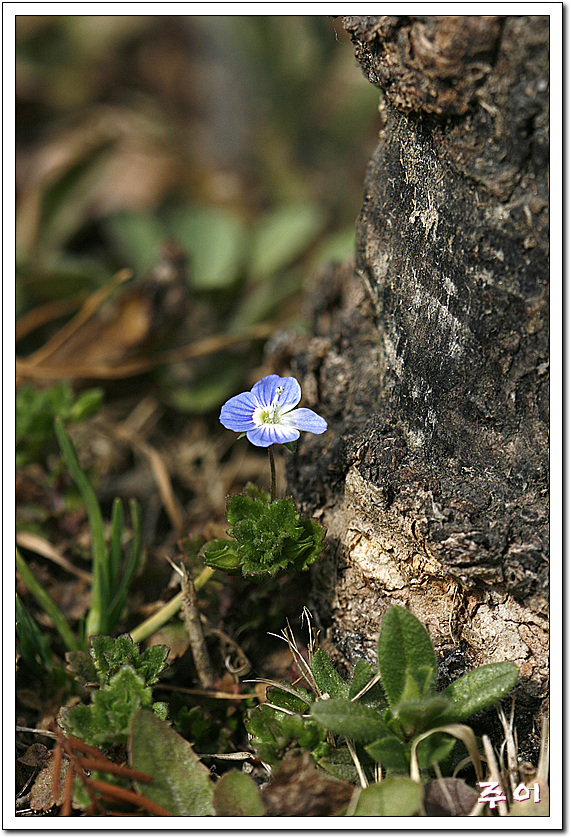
column 269, row 415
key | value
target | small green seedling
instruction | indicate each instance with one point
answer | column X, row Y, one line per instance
column 376, row 717
column 267, row 537
column 122, row 677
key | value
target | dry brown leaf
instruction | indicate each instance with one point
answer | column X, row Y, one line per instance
column 42, row 794
column 299, row 789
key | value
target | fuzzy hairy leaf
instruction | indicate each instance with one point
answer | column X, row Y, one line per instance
column 295, row 703
column 237, row 795
column 417, row 716
column 273, row 731
column 395, row 797
column 390, row 752
column 339, row 762
column 267, row 537
column 349, row 719
column 373, row 697
column 406, row 657
column 434, row 749
column 221, row 554
column 326, row 676
column 110, row 654
column 181, row 783
column 107, row 719
column 476, row 690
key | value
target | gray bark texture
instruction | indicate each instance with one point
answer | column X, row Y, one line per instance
column 429, row 356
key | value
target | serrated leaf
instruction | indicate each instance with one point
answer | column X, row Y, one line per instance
column 237, row 795
column 326, row 676
column 180, row 782
column 395, row 797
column 282, row 236
column 478, row 689
column 406, row 657
column 82, row 667
column 349, row 719
column 151, row 663
column 108, row 718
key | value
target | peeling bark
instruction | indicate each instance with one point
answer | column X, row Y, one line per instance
column 429, row 357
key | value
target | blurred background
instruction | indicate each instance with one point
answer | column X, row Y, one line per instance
column 244, row 139
column 179, row 182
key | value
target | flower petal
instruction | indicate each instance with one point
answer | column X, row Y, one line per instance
column 237, row 413
column 267, row 435
column 305, row 420
column 291, row 394
column 264, row 390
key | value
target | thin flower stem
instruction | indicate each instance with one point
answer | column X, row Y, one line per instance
column 273, row 472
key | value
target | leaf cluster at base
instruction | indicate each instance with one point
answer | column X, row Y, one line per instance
column 380, row 714
column 267, row 537
column 123, row 676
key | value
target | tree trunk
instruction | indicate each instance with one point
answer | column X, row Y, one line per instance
column 430, row 359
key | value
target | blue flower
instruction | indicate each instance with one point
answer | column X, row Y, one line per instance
column 266, row 414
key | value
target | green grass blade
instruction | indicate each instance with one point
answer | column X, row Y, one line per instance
column 115, row 543
column 46, row 602
column 34, row 646
column 101, row 588
column 133, row 564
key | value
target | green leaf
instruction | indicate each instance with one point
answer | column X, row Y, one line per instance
column 215, row 241
column 82, row 667
column 181, row 784
column 122, row 582
column 86, row 404
column 45, row 601
column 210, row 391
column 34, row 647
column 282, row 236
column 138, row 236
column 395, row 797
column 110, row 655
column 478, row 689
column 434, row 749
column 107, row 720
column 35, row 413
column 221, row 554
column 326, row 677
column 237, row 795
column 417, row 716
column 337, row 247
column 96, row 618
column 339, row 762
column 406, row 657
column 390, row 752
column 114, row 555
column 67, row 199
column 298, row 703
column 375, row 695
column 349, row 719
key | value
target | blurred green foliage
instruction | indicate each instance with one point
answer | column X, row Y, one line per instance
column 36, row 410
column 243, row 137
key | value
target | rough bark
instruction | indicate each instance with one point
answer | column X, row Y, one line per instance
column 430, row 357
